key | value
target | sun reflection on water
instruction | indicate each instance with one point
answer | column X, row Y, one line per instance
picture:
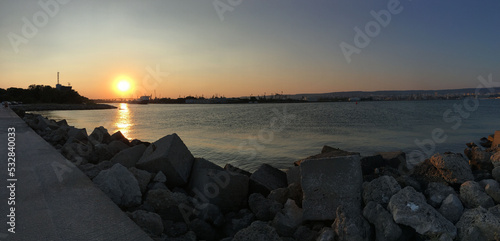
column 123, row 122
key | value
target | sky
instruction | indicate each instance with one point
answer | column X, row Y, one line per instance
column 234, row 48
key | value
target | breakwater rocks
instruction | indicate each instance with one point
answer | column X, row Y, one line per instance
column 335, row 195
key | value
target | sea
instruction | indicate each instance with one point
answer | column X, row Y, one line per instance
column 247, row 135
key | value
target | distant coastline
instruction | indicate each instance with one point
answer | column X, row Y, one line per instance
column 52, row 106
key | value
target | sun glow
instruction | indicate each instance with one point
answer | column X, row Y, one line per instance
column 123, row 86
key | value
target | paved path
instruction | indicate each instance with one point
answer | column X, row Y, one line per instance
column 54, row 200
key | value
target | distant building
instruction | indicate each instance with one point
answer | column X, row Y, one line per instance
column 61, row 87
column 353, row 99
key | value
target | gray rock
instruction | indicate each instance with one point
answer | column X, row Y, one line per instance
column 175, row 229
column 203, row 230
column 451, row 208
column 117, row 146
column 118, row 136
column 495, row 173
column 478, row 224
column 287, row 221
column 395, row 159
column 77, row 135
column 326, row 234
column 480, row 159
column 211, row 214
column 263, row 208
column 143, row 178
column 409, row 207
column 385, row 227
column 104, row 165
column 258, row 230
column 120, row 185
column 242, row 220
column 304, row 233
column 295, row 193
column 90, row 170
column 279, row 195
column 495, row 159
column 473, row 195
column 149, row 222
column 350, row 225
column 492, row 188
column 380, row 190
column 232, row 169
column 266, row 179
column 101, row 152
column 128, row 157
column 436, row 192
column 168, row 204
column 44, row 123
column 369, row 164
column 328, row 183
column 160, row 177
column 293, row 175
column 454, row 168
column 210, row 183
column 100, row 135
column 171, row 156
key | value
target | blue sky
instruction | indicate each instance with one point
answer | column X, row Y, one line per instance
column 260, row 46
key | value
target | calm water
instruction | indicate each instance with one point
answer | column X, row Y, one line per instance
column 247, row 135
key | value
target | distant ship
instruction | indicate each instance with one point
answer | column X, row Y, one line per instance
column 142, row 100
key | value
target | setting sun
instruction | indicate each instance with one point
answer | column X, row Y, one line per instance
column 123, row 86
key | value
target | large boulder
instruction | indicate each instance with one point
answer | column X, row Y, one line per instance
column 473, row 195
column 478, row 224
column 480, row 159
column 117, row 146
column 409, row 207
column 492, row 188
column 287, row 221
column 143, row 178
column 370, row 163
column 118, row 136
column 495, row 159
column 495, row 173
column 385, row 227
column 266, row 179
column 120, row 185
column 44, row 123
column 436, row 192
column 171, row 156
column 263, row 208
column 203, row 230
column 77, row 135
column 328, row 183
column 100, row 135
column 238, row 221
column 395, row 159
column 149, row 222
column 380, row 190
column 454, row 168
column 129, row 157
column 350, row 225
column 451, row 208
column 258, row 230
column 168, row 204
column 210, row 183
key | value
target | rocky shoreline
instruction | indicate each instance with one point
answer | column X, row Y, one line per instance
column 334, row 195
column 43, row 107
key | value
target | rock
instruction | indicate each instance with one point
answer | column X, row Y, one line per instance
column 143, row 178
column 210, row 183
column 149, row 222
column 304, row 233
column 174, row 229
column 44, row 123
column 370, row 163
column 118, row 136
column 328, row 183
column 409, row 207
column 473, row 195
column 293, row 175
column 117, row 146
column 258, row 230
column 211, row 214
column 496, row 140
column 295, row 193
column 453, row 168
column 100, row 135
column 232, row 169
column 240, row 221
column 484, row 142
column 395, row 159
column 171, row 156
column 128, row 157
column 327, row 152
column 90, row 170
column 436, row 192
column 101, row 152
column 492, row 188
column 405, row 181
column 105, row 165
column 279, row 195
column 77, row 135
column 385, row 227
column 478, row 224
column 495, row 159
column 263, row 208
column 160, row 177
column 168, row 204
column 287, row 221
column 426, row 172
column 480, row 159
column 495, row 173
column 266, row 179
column 326, row 234
column 350, row 225
column 120, row 185
column 62, row 122
column 380, row 190
column 203, row 230
column 451, row 208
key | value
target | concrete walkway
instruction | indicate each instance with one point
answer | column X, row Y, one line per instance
column 54, row 200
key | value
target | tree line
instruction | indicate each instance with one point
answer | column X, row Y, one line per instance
column 42, row 94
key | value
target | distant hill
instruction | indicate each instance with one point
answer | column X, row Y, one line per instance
column 42, row 94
